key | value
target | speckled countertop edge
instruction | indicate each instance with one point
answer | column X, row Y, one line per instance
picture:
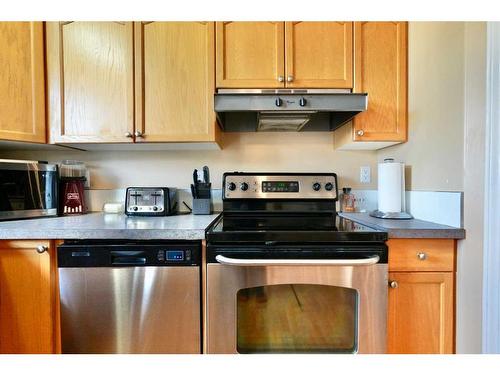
column 412, row 228
column 109, row 226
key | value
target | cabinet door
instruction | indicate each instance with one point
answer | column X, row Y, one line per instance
column 421, row 313
column 27, row 298
column 250, row 54
column 90, row 81
column 319, row 54
column 22, row 84
column 381, row 71
column 175, row 81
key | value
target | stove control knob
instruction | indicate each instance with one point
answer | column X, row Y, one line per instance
column 316, row 186
column 135, row 208
column 328, row 186
column 155, row 208
column 231, row 186
column 244, row 186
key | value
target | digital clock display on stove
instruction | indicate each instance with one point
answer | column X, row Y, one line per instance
column 280, row 186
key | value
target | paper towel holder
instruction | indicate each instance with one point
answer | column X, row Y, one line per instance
column 403, row 215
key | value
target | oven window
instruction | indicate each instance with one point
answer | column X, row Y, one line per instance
column 297, row 318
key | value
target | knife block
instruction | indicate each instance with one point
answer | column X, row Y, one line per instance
column 202, row 206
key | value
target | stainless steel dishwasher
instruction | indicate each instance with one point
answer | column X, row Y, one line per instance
column 130, row 297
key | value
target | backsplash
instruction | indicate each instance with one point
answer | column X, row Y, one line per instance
column 439, row 207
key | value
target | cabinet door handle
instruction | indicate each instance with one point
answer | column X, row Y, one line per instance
column 40, row 249
column 360, row 133
column 129, row 135
column 289, row 79
column 281, row 79
column 422, row 256
column 138, row 134
column 393, row 284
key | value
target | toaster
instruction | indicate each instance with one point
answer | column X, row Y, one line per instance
column 150, row 201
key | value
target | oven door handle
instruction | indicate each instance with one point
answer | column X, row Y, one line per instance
column 296, row 262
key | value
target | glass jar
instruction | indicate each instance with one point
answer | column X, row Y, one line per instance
column 347, row 201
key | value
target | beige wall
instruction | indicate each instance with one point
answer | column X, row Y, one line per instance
column 434, row 151
column 275, row 152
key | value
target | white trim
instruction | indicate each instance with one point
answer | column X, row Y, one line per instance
column 491, row 276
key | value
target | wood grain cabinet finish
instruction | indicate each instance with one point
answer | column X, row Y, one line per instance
column 284, row 54
column 174, row 82
column 28, row 298
column 380, row 69
column 90, row 81
column 22, row 82
column 421, row 313
column 319, row 54
column 250, row 54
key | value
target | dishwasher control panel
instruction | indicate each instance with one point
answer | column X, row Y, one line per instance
column 129, row 254
column 174, row 256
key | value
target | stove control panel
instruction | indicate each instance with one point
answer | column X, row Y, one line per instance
column 279, row 186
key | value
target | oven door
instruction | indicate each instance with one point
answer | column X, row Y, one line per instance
column 296, row 305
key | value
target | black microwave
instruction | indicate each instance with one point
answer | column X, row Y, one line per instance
column 28, row 189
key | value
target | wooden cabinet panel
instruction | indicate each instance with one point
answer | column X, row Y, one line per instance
column 22, row 82
column 319, row 54
column 421, row 254
column 421, row 313
column 381, row 70
column 28, row 307
column 175, row 81
column 250, row 54
column 90, row 81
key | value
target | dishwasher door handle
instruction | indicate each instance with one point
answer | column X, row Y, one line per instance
column 127, row 258
column 128, row 261
column 296, row 262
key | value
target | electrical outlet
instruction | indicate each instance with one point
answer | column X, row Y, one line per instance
column 365, row 175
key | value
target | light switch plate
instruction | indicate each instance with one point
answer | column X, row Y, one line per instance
column 365, row 174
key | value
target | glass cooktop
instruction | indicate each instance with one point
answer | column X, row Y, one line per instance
column 291, row 227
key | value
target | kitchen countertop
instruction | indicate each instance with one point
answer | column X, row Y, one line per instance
column 412, row 228
column 185, row 227
column 109, row 226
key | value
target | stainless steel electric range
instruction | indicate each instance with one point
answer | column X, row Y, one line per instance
column 286, row 274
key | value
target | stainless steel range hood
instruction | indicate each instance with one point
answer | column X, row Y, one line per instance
column 286, row 110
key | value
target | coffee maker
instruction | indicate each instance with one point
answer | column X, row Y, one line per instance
column 73, row 178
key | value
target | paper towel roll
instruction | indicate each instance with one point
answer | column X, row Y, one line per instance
column 391, row 187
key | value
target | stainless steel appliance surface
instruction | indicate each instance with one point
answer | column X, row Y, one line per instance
column 130, row 297
column 28, row 189
column 151, row 201
column 244, row 110
column 285, row 274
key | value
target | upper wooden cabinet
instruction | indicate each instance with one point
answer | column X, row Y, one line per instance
column 250, row 54
column 120, row 82
column 319, row 54
column 284, row 54
column 380, row 69
column 22, row 83
column 28, row 298
column 174, row 80
column 90, row 81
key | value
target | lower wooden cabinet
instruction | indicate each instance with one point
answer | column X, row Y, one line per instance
column 28, row 298
column 421, row 311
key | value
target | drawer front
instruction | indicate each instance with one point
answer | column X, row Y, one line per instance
column 421, row 254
